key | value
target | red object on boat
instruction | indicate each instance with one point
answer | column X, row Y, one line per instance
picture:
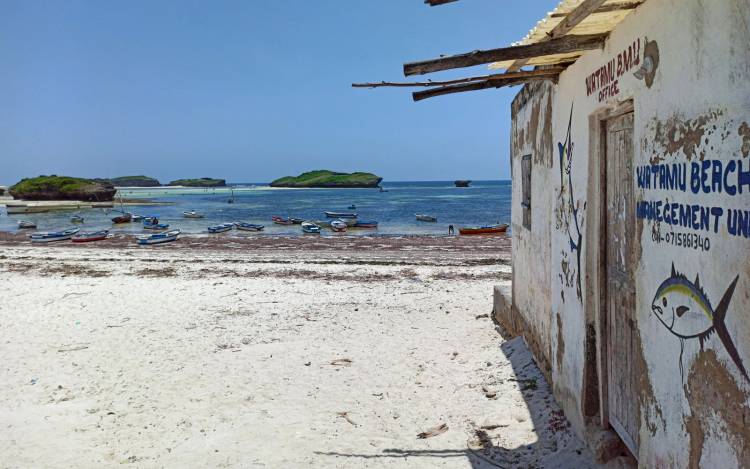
column 482, row 230
column 90, row 236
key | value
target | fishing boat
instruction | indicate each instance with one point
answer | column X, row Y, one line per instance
column 155, row 226
column 220, row 228
column 366, row 224
column 76, row 219
column 88, row 236
column 158, row 238
column 49, row 236
column 296, row 221
column 249, row 227
column 136, row 217
column 124, row 218
column 310, row 228
column 24, row 224
column 192, row 214
column 340, row 214
column 282, row 221
column 338, row 225
column 428, row 218
column 482, row 230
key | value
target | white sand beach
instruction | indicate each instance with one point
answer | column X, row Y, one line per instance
column 267, row 358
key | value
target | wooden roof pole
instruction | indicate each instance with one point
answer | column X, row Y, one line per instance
column 480, row 85
column 560, row 45
column 434, row 3
column 579, row 13
column 546, row 72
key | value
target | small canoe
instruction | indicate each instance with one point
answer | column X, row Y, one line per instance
column 220, row 228
column 49, row 236
column 23, row 224
column 192, row 214
column 340, row 214
column 427, row 218
column 482, row 230
column 249, row 227
column 156, row 226
column 310, row 228
column 76, row 219
column 282, row 220
column 366, row 224
column 124, row 218
column 89, row 236
column 158, row 238
column 338, row 225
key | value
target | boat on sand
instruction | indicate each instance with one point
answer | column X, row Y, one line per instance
column 365, row 224
column 49, row 236
column 158, row 238
column 220, row 228
column 24, row 224
column 249, row 227
column 310, row 228
column 89, row 236
column 484, row 230
column 124, row 218
column 282, row 221
column 340, row 214
column 338, row 225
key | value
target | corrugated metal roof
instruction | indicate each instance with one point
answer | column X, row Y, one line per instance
column 604, row 20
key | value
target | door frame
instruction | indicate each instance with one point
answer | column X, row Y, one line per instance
column 596, row 380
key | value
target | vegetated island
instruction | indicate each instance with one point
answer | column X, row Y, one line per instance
column 202, row 182
column 330, row 179
column 63, row 188
column 462, row 183
column 135, row 181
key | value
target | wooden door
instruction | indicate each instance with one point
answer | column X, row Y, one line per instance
column 620, row 265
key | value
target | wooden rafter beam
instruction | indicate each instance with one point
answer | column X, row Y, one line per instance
column 608, row 8
column 547, row 73
column 570, row 21
column 560, row 45
column 434, row 3
column 480, row 85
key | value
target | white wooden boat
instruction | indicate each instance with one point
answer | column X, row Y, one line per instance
column 50, row 236
column 158, row 238
column 339, row 225
column 89, row 236
column 427, row 218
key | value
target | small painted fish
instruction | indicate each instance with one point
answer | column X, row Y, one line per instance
column 685, row 310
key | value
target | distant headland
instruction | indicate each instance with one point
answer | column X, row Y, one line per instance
column 135, row 181
column 202, row 182
column 329, row 179
column 63, row 188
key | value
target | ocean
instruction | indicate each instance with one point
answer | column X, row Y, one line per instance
column 485, row 202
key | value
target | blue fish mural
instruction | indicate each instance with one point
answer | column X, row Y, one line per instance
column 685, row 310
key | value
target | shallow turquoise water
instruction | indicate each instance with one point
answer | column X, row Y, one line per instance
column 485, row 202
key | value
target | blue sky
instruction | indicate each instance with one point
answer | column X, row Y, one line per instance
column 248, row 90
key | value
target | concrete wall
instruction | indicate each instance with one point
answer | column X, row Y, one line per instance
column 694, row 116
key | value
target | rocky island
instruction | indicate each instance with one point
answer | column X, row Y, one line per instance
column 62, row 188
column 202, row 182
column 462, row 183
column 135, row 181
column 329, row 179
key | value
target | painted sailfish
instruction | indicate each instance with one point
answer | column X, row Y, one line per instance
column 685, row 310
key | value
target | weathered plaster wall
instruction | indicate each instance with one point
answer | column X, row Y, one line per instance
column 532, row 135
column 694, row 117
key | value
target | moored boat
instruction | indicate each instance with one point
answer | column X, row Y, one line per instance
column 89, row 236
column 156, row 226
column 124, row 218
column 281, row 220
column 76, row 219
column 366, row 224
column 427, row 218
column 249, row 227
column 296, row 221
column 481, row 230
column 220, row 228
column 340, row 214
column 310, row 228
column 158, row 238
column 24, row 224
column 192, row 214
column 49, row 236
column 136, row 217
column 338, row 225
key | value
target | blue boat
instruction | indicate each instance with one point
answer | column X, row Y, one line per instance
column 249, row 227
column 220, row 228
column 157, row 226
column 158, row 238
column 49, row 236
column 310, row 228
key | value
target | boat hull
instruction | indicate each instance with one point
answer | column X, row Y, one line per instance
column 90, row 237
column 340, row 215
column 160, row 238
column 484, row 230
column 52, row 237
column 250, row 227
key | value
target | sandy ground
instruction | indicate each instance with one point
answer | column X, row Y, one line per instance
column 175, row 357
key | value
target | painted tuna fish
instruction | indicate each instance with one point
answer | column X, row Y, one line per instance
column 685, row 310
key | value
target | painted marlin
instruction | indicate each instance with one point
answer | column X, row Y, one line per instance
column 685, row 310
